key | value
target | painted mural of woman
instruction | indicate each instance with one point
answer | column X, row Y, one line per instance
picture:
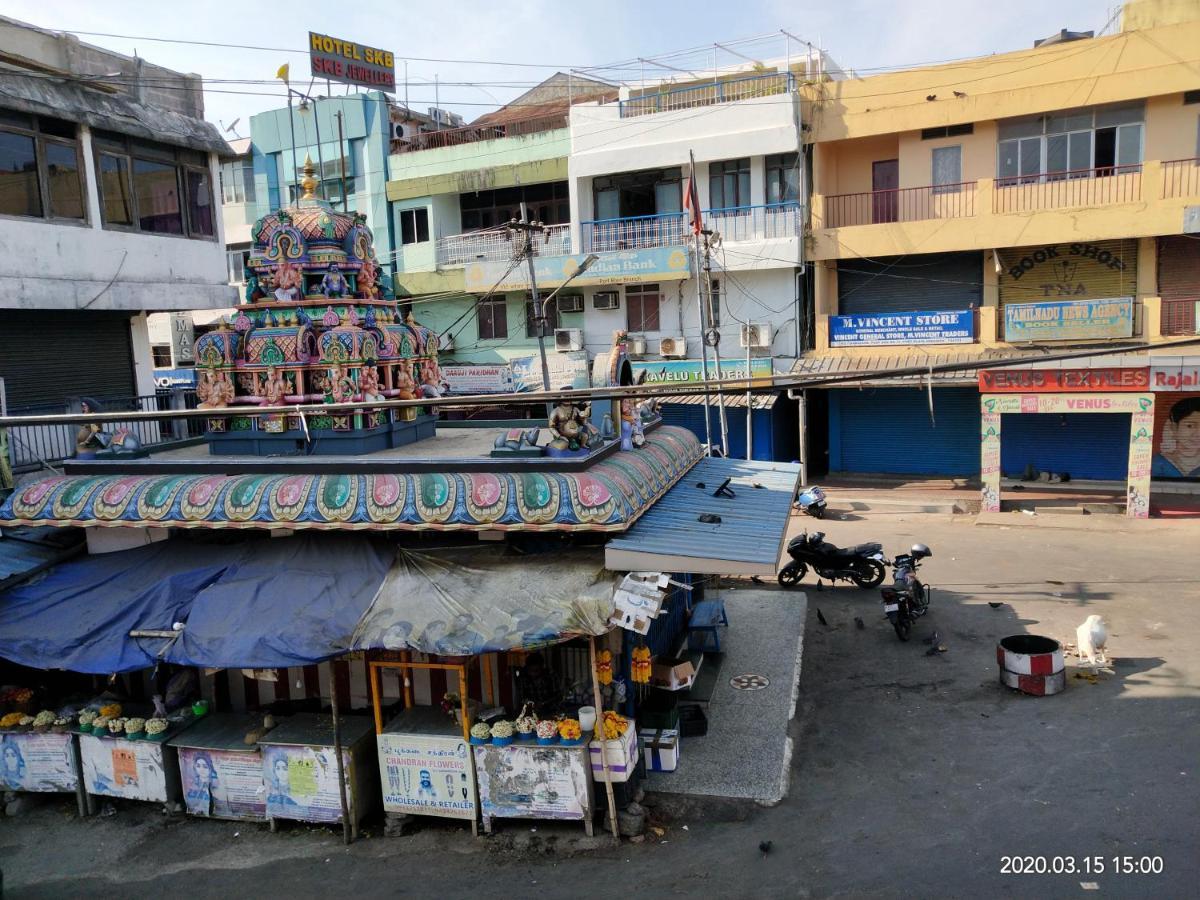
column 12, row 764
column 1178, row 453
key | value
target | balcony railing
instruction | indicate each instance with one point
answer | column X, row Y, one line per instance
column 470, row 134
column 634, row 232
column 496, row 245
column 751, row 223
column 1181, row 178
column 1179, row 317
column 709, row 94
column 938, row 201
column 1075, row 187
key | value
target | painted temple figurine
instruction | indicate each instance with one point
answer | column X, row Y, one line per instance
column 334, row 284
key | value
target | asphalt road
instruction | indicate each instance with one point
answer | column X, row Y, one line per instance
column 913, row 775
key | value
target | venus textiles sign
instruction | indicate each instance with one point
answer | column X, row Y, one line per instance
column 1066, row 320
column 946, row 327
column 1062, row 381
column 348, row 62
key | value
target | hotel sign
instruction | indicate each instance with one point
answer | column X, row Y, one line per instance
column 345, row 61
column 1069, row 320
column 620, row 267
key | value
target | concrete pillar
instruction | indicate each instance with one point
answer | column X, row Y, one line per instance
column 90, row 178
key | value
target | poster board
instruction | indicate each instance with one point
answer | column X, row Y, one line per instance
column 223, row 784
column 133, row 770
column 301, row 783
column 42, row 763
column 1176, row 435
column 534, row 782
column 427, row 775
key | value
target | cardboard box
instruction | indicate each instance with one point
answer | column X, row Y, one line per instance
column 672, row 674
column 660, row 749
column 620, row 754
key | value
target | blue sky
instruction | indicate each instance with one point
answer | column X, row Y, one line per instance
column 860, row 34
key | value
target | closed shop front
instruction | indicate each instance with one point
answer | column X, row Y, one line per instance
column 773, row 426
column 928, row 282
column 1082, row 445
column 1179, row 283
column 889, row 430
column 1071, row 271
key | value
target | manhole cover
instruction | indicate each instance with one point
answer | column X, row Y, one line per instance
column 749, row 682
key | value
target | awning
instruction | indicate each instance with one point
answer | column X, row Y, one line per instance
column 747, row 540
column 477, row 599
column 732, row 401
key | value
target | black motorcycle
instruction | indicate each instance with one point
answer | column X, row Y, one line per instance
column 906, row 600
column 864, row 564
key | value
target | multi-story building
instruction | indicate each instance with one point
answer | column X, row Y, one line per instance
column 1013, row 205
column 107, row 213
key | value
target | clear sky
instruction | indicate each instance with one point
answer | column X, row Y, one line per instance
column 550, row 36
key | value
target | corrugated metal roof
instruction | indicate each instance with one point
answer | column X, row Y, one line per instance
column 761, row 401
column 26, row 551
column 747, row 540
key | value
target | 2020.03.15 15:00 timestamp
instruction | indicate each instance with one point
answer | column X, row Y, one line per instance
column 1081, row 865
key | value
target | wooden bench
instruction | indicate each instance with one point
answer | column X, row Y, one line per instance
column 707, row 617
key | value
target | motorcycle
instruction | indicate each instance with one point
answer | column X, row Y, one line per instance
column 864, row 564
column 907, row 599
column 812, row 501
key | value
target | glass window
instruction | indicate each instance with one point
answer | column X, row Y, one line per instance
column 156, row 186
column 947, row 169
column 19, row 193
column 729, row 184
column 40, row 175
column 783, row 178
column 235, row 261
column 1129, row 145
column 552, row 319
column 114, row 190
column 161, row 354
column 641, row 308
column 493, row 319
column 358, row 150
column 237, row 181
column 414, row 225
column 200, row 206
column 608, row 204
column 63, row 180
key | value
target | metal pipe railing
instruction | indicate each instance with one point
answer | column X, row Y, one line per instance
column 934, row 201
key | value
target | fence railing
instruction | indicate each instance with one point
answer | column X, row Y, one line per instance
column 497, row 245
column 748, row 223
column 471, row 134
column 709, row 94
column 30, row 446
column 634, row 232
column 1179, row 316
column 1181, row 178
column 1075, row 187
column 936, row 201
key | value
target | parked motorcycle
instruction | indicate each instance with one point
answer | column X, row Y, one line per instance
column 864, row 564
column 812, row 501
column 907, row 599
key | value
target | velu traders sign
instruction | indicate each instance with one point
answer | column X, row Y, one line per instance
column 348, row 62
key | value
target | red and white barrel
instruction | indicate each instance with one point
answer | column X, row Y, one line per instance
column 1031, row 664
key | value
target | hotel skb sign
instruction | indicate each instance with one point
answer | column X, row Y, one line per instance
column 351, row 63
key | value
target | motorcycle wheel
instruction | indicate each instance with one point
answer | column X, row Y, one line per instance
column 874, row 580
column 902, row 626
column 790, row 575
column 817, row 512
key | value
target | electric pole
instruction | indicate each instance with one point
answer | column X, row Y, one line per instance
column 712, row 337
column 526, row 230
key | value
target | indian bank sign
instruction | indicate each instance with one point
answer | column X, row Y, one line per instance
column 348, row 62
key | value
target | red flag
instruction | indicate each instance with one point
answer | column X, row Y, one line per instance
column 691, row 202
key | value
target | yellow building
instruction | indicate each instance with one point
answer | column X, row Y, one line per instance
column 1016, row 204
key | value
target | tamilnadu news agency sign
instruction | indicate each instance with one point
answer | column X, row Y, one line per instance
column 339, row 60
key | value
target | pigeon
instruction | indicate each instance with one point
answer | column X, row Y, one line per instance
column 858, row 623
column 995, row 604
column 960, row 94
column 765, row 847
column 756, row 579
column 821, row 618
column 931, row 97
column 1090, row 639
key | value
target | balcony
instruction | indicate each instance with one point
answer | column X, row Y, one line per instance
column 941, row 201
column 471, row 134
column 1181, row 178
column 496, row 245
column 739, row 223
column 1076, row 187
column 711, row 94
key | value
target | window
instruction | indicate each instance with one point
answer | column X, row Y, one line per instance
column 40, row 172
column 235, row 261
column 947, row 169
column 116, row 204
column 945, row 131
column 714, row 304
column 1080, row 143
column 547, row 203
column 414, row 225
column 641, row 307
column 729, row 184
column 552, row 319
column 200, row 205
column 655, row 192
column 161, row 354
column 783, row 178
column 154, row 188
column 493, row 319
column 237, row 181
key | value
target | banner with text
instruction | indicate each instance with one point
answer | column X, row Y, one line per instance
column 619, row 267
column 1069, row 320
column 944, row 327
column 336, row 59
column 567, row 371
column 1062, row 381
column 427, row 775
column 691, row 371
column 477, row 379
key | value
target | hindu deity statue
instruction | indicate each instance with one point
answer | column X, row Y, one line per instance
column 339, row 387
column 274, row 388
column 334, row 283
column 368, row 382
column 289, row 282
column 571, row 432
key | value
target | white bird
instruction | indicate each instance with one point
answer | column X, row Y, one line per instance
column 1090, row 639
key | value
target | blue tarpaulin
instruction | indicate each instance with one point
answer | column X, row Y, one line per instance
column 266, row 603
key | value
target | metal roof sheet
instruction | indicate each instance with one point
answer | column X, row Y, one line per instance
column 747, row 540
column 761, row 401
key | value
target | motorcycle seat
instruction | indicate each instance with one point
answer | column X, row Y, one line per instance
column 860, row 550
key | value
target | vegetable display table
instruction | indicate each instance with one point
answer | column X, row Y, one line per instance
column 425, row 766
column 222, row 775
column 531, row 781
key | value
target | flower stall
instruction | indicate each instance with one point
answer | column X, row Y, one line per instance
column 221, row 767
column 38, row 752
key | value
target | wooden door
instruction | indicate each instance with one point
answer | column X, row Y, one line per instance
column 885, row 182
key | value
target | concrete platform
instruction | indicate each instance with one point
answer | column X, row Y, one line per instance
column 747, row 750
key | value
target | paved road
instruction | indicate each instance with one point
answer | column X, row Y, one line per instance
column 913, row 775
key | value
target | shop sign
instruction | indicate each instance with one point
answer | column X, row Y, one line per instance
column 1062, row 381
column 619, row 267
column 302, row 783
column 943, row 327
column 183, row 337
column 568, row 371
column 169, row 378
column 37, row 762
column 223, row 783
column 691, row 371
column 427, row 775
column 1065, row 320
column 477, row 379
column 335, row 59
column 1179, row 377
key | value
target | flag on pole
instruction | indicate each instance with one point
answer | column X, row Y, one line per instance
column 691, row 201
column 283, row 72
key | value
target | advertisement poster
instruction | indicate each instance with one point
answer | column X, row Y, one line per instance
column 617, row 267
column 427, row 775
column 481, row 379
column 533, row 782
column 302, row 783
column 223, row 783
column 567, row 370
column 1176, row 436
column 990, row 461
column 943, row 327
column 119, row 768
column 691, row 371
column 1069, row 320
column 37, row 762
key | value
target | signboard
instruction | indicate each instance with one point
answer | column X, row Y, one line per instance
column 943, row 327
column 477, row 379
column 1176, row 436
column 427, row 775
column 532, row 782
column 1069, row 320
column 183, row 338
column 37, row 762
column 1176, row 377
column 567, row 370
column 1052, row 381
column 223, row 783
column 116, row 767
column 691, row 371
column 169, row 378
column 618, row 267
column 302, row 783
column 336, row 59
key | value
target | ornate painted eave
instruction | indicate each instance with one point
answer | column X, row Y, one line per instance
column 609, row 496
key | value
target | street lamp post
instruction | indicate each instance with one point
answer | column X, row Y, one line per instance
column 541, row 309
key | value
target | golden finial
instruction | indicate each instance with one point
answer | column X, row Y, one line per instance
column 309, row 181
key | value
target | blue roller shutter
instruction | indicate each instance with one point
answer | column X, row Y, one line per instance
column 888, row 430
column 691, row 416
column 931, row 281
column 1084, row 445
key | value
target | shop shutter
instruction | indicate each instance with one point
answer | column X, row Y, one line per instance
column 48, row 357
column 888, row 430
column 691, row 416
column 931, row 281
column 1084, row 445
column 1085, row 270
column 1179, row 283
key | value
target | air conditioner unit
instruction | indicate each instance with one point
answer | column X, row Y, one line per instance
column 566, row 339
column 401, row 132
column 675, row 347
column 637, row 346
column 606, row 300
column 757, row 336
column 570, row 303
